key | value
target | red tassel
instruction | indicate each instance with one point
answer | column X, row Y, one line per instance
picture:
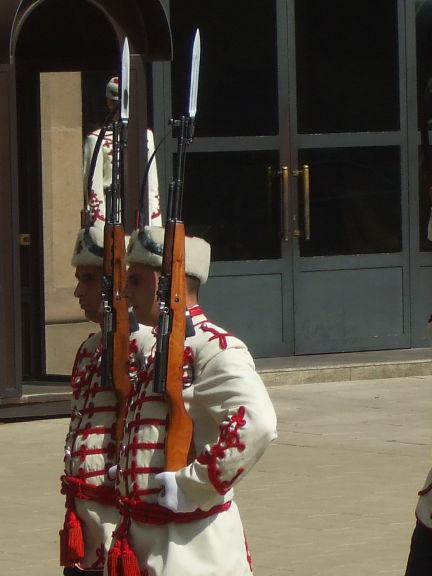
column 129, row 561
column 114, row 560
column 122, row 560
column 71, row 540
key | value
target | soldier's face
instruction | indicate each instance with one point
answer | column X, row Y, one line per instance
column 141, row 285
column 88, row 291
column 110, row 105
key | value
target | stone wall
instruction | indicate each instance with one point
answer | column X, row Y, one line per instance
column 61, row 128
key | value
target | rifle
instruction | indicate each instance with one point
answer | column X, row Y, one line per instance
column 169, row 355
column 115, row 326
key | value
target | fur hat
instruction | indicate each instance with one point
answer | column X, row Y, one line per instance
column 112, row 89
column 146, row 247
column 88, row 249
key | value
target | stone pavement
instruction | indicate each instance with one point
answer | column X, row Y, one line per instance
column 333, row 496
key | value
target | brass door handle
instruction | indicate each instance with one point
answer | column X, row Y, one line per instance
column 306, row 193
column 285, row 220
column 285, row 203
column 285, row 196
column 306, row 201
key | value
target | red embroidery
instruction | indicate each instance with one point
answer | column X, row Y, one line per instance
column 134, row 471
column 188, row 367
column 221, row 336
column 83, row 377
column 133, row 448
column 188, row 357
column 83, row 451
column 145, row 376
column 95, row 206
column 248, row 556
column 147, row 422
column 133, row 348
column 87, row 430
column 82, row 474
column 229, row 438
column 147, row 398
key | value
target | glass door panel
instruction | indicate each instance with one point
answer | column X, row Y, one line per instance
column 238, row 76
column 233, row 205
column 356, row 201
column 347, row 66
column 424, row 118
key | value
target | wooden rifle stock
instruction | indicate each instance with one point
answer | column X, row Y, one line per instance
column 170, row 347
column 116, row 321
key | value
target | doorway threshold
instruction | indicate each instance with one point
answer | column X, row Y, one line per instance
column 345, row 366
column 37, row 401
column 47, row 401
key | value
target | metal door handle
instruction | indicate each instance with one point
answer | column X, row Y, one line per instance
column 306, row 196
column 306, row 200
column 285, row 221
column 285, row 200
column 285, row 196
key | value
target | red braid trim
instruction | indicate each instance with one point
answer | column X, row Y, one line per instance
column 195, row 311
column 154, row 513
column 229, row 438
column 78, row 488
column 221, row 336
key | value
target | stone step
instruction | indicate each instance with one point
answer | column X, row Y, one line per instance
column 346, row 366
column 47, row 400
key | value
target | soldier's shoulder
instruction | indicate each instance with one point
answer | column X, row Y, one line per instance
column 91, row 342
column 210, row 337
column 93, row 134
column 143, row 338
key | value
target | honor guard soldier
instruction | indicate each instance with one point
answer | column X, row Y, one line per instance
column 102, row 175
column 91, row 450
column 186, row 522
column 420, row 556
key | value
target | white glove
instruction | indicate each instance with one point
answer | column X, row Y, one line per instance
column 172, row 496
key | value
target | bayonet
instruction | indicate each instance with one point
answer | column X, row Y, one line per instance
column 196, row 56
column 125, row 76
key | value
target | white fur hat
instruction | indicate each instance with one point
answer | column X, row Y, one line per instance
column 89, row 247
column 112, row 89
column 88, row 250
column 146, row 247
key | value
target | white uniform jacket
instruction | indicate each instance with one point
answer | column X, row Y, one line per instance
column 91, row 450
column 424, row 504
column 103, row 175
column 193, row 527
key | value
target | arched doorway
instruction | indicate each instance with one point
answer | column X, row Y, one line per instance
column 52, row 55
